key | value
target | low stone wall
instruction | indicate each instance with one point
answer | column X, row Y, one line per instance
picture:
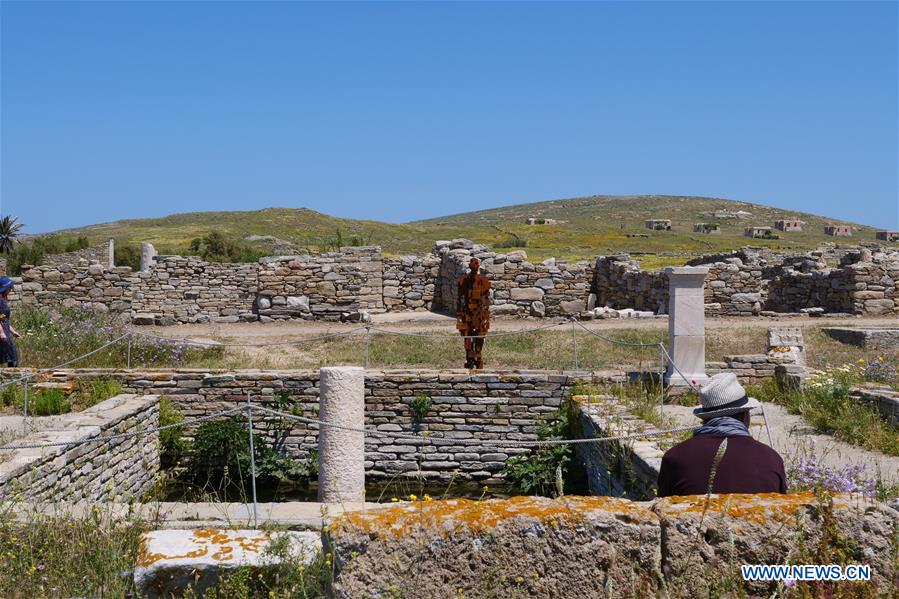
column 617, row 468
column 103, row 253
column 884, row 399
column 107, row 471
column 865, row 338
column 410, row 283
column 92, row 287
column 187, row 289
column 470, row 408
column 518, row 287
column 322, row 287
column 576, row 547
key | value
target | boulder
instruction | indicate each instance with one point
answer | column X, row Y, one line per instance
column 298, row 302
column 143, row 318
column 263, row 302
column 503, row 309
column 538, row 309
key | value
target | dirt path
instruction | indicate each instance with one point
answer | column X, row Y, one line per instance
column 791, row 434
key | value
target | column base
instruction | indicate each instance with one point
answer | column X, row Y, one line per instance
column 673, row 379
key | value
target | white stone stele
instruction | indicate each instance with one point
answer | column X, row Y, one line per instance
column 171, row 561
column 147, row 253
column 686, row 324
column 341, row 452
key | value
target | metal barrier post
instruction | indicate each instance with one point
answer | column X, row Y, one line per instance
column 25, row 418
column 767, row 428
column 129, row 349
column 252, row 460
column 574, row 343
column 367, row 342
column 662, row 379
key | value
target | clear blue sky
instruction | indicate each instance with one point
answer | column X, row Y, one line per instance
column 402, row 111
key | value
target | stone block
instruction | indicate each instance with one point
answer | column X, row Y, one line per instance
column 171, row 562
column 523, row 546
column 527, row 294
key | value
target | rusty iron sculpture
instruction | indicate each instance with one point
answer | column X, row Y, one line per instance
column 473, row 313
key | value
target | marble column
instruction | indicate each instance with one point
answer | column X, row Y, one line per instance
column 686, row 324
column 341, row 452
column 147, row 253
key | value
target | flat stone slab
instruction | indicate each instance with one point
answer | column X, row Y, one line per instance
column 171, row 561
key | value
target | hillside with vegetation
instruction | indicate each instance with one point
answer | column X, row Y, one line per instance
column 578, row 228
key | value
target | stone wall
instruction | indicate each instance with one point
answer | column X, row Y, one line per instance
column 187, row 289
column 519, row 287
column 751, row 282
column 328, row 287
column 617, row 468
column 103, row 253
column 113, row 470
column 470, row 409
column 348, row 284
column 91, row 287
column 579, row 547
column 410, row 283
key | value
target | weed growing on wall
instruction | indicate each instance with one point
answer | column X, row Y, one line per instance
column 420, row 406
column 539, row 470
column 171, row 440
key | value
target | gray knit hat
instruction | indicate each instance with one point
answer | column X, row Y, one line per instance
column 723, row 395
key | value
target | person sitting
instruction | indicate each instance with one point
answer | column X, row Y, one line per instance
column 746, row 466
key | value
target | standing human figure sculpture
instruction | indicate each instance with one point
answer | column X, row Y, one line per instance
column 473, row 313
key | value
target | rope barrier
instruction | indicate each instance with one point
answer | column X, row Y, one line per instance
column 487, row 336
column 616, row 341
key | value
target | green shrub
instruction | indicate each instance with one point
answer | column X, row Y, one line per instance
column 420, row 406
column 512, row 242
column 216, row 247
column 171, row 440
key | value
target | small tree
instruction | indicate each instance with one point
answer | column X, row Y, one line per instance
column 9, row 230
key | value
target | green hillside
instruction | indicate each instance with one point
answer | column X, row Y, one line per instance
column 588, row 227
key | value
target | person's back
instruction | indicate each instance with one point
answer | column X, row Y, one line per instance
column 743, row 466
column 747, row 466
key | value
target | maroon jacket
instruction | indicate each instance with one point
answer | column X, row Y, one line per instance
column 747, row 467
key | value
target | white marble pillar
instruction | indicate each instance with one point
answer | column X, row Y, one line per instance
column 686, row 324
column 111, row 258
column 341, row 452
column 147, row 253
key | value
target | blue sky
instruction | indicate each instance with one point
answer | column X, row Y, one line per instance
column 402, row 111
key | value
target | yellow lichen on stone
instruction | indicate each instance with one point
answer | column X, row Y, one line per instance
column 216, row 543
column 759, row 508
column 450, row 515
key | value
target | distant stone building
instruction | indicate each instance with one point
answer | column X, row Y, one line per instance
column 706, row 228
column 788, row 225
column 838, row 230
column 890, row 236
column 658, row 224
column 541, row 221
column 759, row 233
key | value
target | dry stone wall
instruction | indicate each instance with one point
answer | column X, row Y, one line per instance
column 519, row 287
column 468, row 409
column 103, row 253
column 347, row 285
column 187, row 289
column 326, row 287
column 113, row 470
